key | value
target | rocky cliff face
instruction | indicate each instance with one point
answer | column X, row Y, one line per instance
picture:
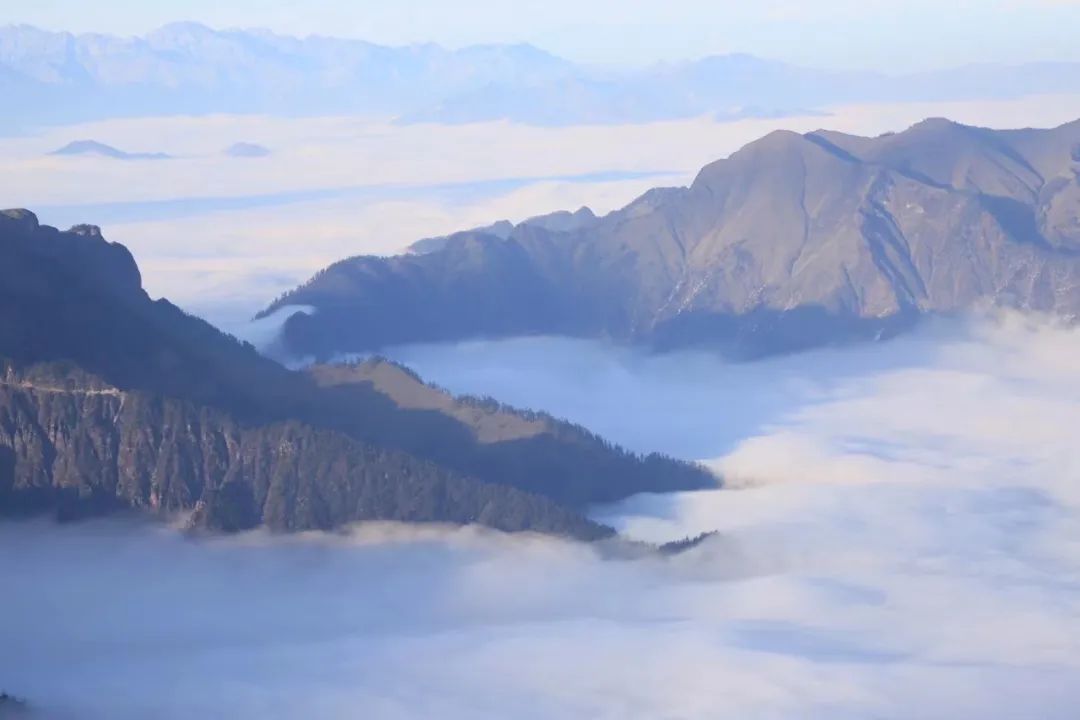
column 792, row 241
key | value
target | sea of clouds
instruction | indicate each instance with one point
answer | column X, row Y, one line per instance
column 900, row 539
column 899, row 536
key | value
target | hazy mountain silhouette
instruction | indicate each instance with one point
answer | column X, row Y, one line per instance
column 93, row 147
column 794, row 240
column 246, row 150
column 185, row 68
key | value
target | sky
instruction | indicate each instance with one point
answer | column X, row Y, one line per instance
column 864, row 34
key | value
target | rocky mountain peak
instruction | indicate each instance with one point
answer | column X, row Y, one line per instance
column 91, row 231
column 20, row 218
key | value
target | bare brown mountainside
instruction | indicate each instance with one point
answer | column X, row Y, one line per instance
column 794, row 240
column 489, row 421
column 110, row 400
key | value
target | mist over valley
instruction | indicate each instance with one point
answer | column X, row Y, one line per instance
column 486, row 360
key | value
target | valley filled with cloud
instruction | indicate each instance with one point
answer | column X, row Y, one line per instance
column 199, row 527
column 898, row 539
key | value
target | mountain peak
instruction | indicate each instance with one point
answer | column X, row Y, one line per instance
column 179, row 35
column 246, row 150
column 778, row 139
column 936, row 125
column 778, row 150
column 84, row 230
column 184, row 27
column 21, row 215
column 22, row 220
column 82, row 147
column 93, row 147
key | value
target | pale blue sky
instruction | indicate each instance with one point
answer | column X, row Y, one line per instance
column 892, row 34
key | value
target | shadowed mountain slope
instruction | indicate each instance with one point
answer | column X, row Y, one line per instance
column 111, row 400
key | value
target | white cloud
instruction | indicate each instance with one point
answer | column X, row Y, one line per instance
column 993, row 397
column 938, row 577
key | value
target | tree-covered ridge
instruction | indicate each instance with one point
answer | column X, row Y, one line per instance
column 88, row 449
column 530, row 450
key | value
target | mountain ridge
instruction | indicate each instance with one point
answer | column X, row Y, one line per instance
column 791, row 241
column 164, row 456
column 111, row 400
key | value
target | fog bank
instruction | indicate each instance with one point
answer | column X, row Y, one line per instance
column 805, row 611
column 905, row 542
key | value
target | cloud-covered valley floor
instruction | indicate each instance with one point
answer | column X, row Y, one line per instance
column 902, row 539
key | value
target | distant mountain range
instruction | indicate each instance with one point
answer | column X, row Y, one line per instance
column 100, row 149
column 189, row 68
column 110, row 401
column 793, row 241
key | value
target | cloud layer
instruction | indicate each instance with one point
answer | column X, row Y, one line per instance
column 910, row 548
